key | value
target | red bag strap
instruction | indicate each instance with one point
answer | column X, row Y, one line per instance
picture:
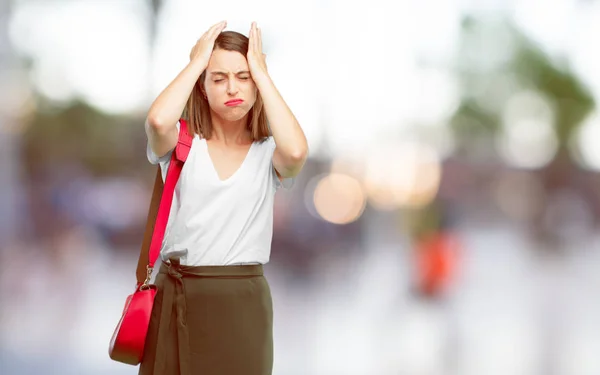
column 160, row 206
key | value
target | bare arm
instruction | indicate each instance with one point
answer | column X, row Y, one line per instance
column 167, row 108
column 291, row 147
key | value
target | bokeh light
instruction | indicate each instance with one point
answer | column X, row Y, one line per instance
column 402, row 175
column 527, row 139
column 585, row 144
column 339, row 199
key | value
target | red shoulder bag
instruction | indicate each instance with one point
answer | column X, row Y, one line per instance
column 127, row 342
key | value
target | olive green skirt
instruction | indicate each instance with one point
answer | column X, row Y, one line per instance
column 210, row 320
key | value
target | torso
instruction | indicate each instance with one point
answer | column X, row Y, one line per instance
column 222, row 212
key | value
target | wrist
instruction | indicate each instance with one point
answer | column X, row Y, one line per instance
column 262, row 80
column 199, row 64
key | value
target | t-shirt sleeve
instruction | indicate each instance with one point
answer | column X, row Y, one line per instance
column 287, row 183
column 163, row 160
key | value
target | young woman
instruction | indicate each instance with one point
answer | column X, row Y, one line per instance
column 213, row 310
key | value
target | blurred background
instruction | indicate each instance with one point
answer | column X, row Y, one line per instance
column 445, row 223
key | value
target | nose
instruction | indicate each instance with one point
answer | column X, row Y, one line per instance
column 232, row 88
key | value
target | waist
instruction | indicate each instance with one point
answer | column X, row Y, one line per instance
column 205, row 255
column 238, row 270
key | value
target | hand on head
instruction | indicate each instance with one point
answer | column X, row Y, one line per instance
column 204, row 46
column 256, row 58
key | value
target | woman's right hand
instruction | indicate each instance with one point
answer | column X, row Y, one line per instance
column 204, row 46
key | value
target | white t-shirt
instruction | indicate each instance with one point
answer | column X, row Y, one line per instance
column 214, row 222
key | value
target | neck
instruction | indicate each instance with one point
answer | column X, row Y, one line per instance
column 230, row 132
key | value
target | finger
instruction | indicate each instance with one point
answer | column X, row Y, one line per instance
column 207, row 32
column 216, row 33
column 222, row 26
column 219, row 27
column 216, row 29
column 259, row 40
column 251, row 38
column 255, row 37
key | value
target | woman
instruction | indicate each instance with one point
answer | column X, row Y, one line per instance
column 213, row 310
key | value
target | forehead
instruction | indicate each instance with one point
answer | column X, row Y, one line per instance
column 227, row 61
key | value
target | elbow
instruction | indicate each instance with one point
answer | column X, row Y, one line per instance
column 298, row 157
column 291, row 163
column 302, row 153
column 153, row 120
column 156, row 123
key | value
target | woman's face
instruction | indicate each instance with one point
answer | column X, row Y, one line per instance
column 229, row 87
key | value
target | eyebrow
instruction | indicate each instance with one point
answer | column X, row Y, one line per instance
column 224, row 74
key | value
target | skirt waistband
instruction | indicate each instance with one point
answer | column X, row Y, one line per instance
column 175, row 269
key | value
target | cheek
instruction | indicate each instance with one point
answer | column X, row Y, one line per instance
column 251, row 92
column 213, row 90
column 214, row 94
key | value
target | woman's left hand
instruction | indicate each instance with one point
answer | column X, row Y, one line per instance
column 256, row 58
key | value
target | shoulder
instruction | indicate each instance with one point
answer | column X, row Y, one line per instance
column 267, row 142
column 268, row 145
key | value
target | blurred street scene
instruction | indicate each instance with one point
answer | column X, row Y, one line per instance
column 446, row 222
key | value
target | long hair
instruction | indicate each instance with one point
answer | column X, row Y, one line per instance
column 197, row 109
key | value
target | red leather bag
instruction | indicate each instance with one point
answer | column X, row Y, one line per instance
column 129, row 338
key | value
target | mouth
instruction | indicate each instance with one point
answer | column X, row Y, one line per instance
column 233, row 102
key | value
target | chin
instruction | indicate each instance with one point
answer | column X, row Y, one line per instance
column 233, row 114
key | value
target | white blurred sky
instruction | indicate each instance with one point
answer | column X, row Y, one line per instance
column 348, row 64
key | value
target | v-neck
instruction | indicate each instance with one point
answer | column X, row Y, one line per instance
column 214, row 169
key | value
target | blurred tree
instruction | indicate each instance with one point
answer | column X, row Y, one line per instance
column 155, row 7
column 495, row 61
column 102, row 143
column 518, row 58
